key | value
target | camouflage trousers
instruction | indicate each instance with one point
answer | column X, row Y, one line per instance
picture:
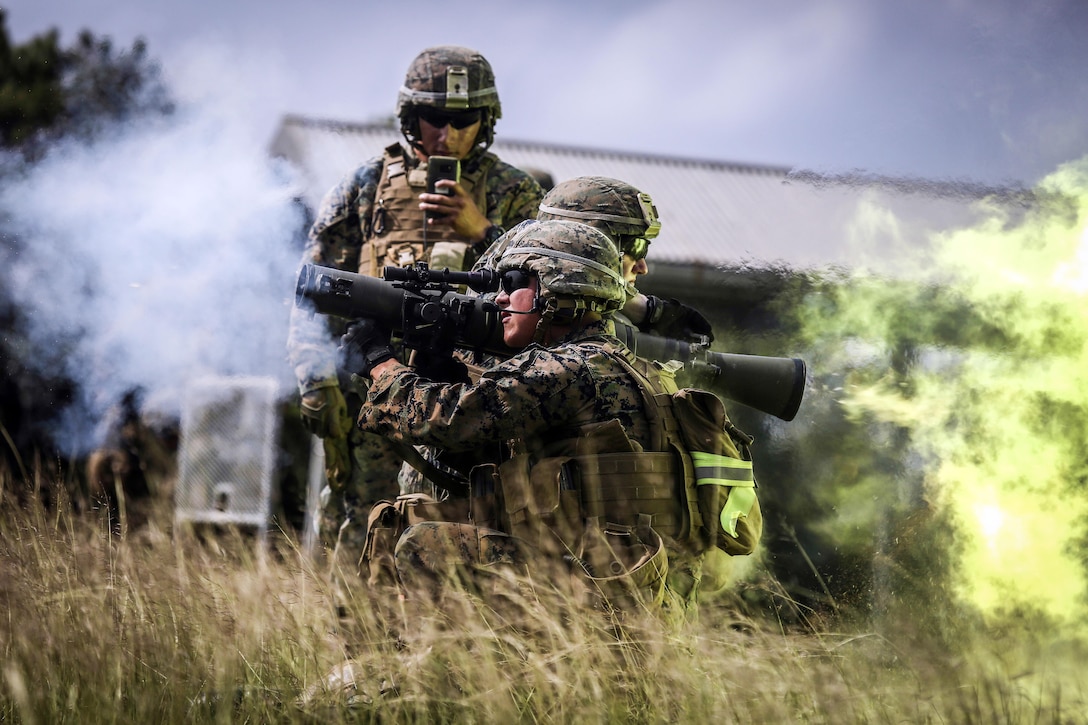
column 616, row 570
column 431, row 552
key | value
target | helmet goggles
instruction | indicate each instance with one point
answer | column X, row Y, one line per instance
column 636, row 247
column 514, row 279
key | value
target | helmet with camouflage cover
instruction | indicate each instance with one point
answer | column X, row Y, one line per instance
column 613, row 206
column 452, row 78
column 578, row 266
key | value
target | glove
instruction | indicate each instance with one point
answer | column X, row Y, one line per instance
column 337, row 465
column 672, row 318
column 325, row 413
column 364, row 345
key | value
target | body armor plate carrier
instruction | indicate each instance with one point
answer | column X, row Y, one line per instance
column 397, row 234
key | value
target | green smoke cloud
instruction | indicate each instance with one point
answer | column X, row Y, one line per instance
column 970, row 370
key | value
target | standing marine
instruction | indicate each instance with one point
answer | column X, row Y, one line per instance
column 382, row 214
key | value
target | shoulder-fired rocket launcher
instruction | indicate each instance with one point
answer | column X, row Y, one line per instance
column 423, row 306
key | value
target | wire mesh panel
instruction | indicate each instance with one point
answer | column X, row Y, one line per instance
column 227, row 453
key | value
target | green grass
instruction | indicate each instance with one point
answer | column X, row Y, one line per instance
column 145, row 628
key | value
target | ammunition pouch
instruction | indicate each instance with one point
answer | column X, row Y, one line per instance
column 625, row 566
column 392, row 253
column 554, row 504
column 556, row 495
column 618, row 488
column 541, row 504
column 485, row 501
column 388, row 520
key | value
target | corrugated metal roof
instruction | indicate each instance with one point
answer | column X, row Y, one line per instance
column 714, row 214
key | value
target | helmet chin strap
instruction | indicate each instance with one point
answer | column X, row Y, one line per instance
column 544, row 324
column 409, row 128
column 539, row 305
column 547, row 319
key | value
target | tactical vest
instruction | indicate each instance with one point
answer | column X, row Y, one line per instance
column 396, row 234
column 694, row 485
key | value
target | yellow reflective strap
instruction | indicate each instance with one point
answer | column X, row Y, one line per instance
column 733, row 473
column 711, row 468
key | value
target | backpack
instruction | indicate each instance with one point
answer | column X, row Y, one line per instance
column 719, row 484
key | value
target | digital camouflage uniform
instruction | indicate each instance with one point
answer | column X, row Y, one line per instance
column 351, row 221
column 527, row 400
column 539, row 403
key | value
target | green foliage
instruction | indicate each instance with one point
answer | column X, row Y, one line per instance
column 48, row 92
column 31, row 97
column 104, row 88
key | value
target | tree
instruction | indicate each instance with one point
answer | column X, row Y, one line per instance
column 30, row 87
column 48, row 94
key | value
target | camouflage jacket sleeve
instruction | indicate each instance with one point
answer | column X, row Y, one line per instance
column 512, row 195
column 539, row 395
column 335, row 240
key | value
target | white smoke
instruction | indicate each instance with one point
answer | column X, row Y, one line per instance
column 165, row 253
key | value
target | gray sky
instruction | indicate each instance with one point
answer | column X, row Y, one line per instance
column 986, row 90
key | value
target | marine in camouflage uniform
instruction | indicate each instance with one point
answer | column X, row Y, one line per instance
column 380, row 215
column 630, row 218
column 566, row 393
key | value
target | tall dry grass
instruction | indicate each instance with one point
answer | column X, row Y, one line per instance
column 152, row 627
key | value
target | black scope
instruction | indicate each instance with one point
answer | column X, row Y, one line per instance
column 420, row 274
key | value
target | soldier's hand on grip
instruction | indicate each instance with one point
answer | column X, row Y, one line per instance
column 364, row 345
column 675, row 319
column 325, row 413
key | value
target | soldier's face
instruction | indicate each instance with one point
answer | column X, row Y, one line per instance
column 632, row 268
column 447, row 140
column 518, row 329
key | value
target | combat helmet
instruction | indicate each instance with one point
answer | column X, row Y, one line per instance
column 578, row 267
column 453, row 78
column 615, row 207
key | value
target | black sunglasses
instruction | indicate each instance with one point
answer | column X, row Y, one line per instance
column 636, row 248
column 515, row 279
column 441, row 119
